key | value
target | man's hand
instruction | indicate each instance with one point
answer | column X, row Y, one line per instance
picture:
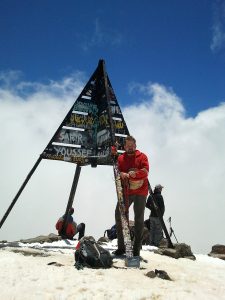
column 132, row 174
column 124, row 176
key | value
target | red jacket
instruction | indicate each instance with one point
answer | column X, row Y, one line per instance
column 136, row 162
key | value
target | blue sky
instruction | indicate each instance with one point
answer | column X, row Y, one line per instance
column 179, row 44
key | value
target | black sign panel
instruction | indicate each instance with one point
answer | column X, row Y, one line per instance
column 92, row 125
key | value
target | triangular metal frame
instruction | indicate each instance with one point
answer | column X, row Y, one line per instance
column 85, row 137
column 92, row 125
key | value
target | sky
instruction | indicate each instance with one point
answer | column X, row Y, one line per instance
column 166, row 63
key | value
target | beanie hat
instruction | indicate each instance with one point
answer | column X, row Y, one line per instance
column 159, row 187
column 71, row 211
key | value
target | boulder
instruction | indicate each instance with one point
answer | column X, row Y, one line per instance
column 29, row 252
column 158, row 273
column 3, row 241
column 180, row 250
column 218, row 251
column 42, row 239
column 163, row 243
column 146, row 237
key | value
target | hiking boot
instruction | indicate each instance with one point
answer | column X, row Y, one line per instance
column 118, row 252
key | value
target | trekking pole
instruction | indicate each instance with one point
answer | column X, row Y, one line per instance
column 171, row 230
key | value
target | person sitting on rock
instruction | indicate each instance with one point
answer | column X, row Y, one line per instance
column 71, row 228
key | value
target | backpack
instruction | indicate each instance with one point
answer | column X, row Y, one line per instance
column 111, row 233
column 89, row 254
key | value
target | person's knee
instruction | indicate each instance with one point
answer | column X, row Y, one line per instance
column 82, row 225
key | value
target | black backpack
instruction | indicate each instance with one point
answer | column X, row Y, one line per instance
column 111, row 233
column 90, row 254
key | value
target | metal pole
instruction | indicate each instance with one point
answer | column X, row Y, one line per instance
column 20, row 191
column 71, row 197
column 172, row 232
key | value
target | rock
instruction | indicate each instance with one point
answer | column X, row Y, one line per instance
column 9, row 244
column 146, row 237
column 181, row 250
column 163, row 243
column 151, row 274
column 158, row 273
column 42, row 239
column 220, row 256
column 162, row 274
column 29, row 252
column 54, row 263
column 218, row 251
column 191, row 257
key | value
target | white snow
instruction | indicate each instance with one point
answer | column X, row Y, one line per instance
column 30, row 277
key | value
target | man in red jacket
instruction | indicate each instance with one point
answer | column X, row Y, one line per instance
column 133, row 166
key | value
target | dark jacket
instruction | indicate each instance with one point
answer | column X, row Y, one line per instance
column 159, row 201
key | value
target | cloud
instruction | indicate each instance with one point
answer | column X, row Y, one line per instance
column 100, row 36
column 13, row 82
column 186, row 155
column 218, row 27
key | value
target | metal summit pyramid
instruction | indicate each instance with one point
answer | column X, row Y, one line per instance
column 91, row 127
